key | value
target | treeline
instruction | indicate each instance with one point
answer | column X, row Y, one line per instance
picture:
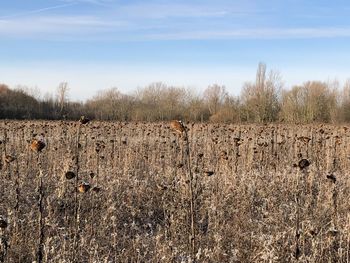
column 261, row 101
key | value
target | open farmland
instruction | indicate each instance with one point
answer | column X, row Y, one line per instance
column 231, row 193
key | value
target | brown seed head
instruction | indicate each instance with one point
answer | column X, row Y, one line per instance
column 303, row 163
column 332, row 178
column 177, row 126
column 84, row 187
column 37, row 145
column 3, row 222
column 83, row 120
column 70, row 175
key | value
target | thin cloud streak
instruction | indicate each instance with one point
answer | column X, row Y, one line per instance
column 90, row 27
column 102, row 3
column 36, row 11
column 156, row 21
column 258, row 33
column 166, row 11
column 50, row 26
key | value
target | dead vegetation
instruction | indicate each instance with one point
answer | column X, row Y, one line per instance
column 139, row 192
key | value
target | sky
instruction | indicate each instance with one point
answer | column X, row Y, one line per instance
column 100, row 44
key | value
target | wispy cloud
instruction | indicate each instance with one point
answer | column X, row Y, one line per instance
column 256, row 33
column 166, row 10
column 36, row 11
column 52, row 27
column 92, row 27
column 104, row 3
column 157, row 20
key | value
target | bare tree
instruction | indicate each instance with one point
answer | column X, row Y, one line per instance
column 158, row 101
column 62, row 96
column 293, row 108
column 215, row 96
column 261, row 99
column 230, row 111
column 195, row 107
column 345, row 102
column 313, row 101
column 109, row 104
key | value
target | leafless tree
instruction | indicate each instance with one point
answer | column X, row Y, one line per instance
column 62, row 95
column 261, row 99
column 214, row 97
column 314, row 101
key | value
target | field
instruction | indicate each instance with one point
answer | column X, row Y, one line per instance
column 230, row 193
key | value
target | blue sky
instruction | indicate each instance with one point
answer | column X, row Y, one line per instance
column 99, row 44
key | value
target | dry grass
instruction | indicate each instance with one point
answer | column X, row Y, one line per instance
column 252, row 198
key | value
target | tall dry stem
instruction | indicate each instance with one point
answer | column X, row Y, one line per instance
column 192, row 236
column 41, row 211
column 76, row 200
